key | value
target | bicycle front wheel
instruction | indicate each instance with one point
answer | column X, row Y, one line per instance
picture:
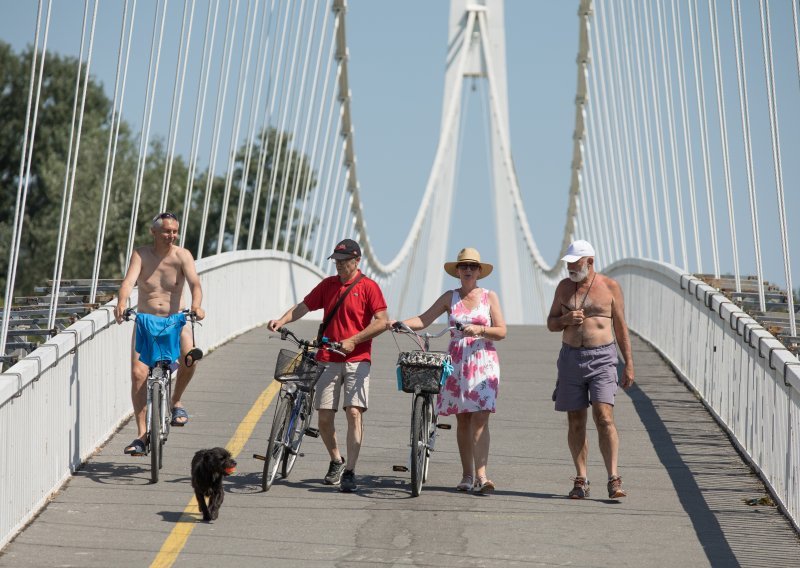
column 155, row 433
column 275, row 444
column 301, row 418
column 419, row 442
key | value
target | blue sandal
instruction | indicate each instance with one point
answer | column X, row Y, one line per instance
column 136, row 448
column 179, row 412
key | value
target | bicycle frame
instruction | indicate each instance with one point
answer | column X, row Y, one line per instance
column 158, row 409
column 424, row 418
column 289, row 425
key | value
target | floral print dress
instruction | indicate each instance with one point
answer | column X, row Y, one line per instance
column 476, row 369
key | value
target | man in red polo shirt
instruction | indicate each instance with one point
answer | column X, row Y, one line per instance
column 360, row 317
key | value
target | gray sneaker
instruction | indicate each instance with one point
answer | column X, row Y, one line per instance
column 334, row 475
column 348, row 481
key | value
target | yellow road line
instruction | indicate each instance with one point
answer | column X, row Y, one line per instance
column 183, row 528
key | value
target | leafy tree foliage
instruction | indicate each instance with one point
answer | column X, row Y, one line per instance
column 48, row 170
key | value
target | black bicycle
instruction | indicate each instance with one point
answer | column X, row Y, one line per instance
column 298, row 372
column 422, row 373
column 159, row 399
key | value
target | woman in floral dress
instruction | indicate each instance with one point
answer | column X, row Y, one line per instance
column 471, row 391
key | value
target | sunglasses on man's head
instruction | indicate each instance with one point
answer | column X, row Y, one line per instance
column 166, row 215
column 468, row 265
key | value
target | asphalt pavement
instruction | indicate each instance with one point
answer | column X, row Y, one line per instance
column 687, row 487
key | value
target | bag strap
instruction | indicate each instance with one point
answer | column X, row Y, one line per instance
column 338, row 303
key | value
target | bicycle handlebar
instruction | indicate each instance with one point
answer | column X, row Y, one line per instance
column 400, row 327
column 332, row 346
column 190, row 315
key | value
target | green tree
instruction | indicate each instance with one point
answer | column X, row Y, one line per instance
column 291, row 166
column 42, row 212
column 51, row 145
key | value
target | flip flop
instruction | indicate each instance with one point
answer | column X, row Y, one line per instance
column 136, row 448
column 484, row 487
column 179, row 412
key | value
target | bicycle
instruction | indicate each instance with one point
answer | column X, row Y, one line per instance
column 159, row 398
column 422, row 373
column 298, row 373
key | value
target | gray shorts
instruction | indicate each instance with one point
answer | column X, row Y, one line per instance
column 353, row 377
column 585, row 374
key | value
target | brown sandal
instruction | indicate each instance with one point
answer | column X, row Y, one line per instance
column 484, row 486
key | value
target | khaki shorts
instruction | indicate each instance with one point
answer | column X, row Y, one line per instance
column 354, row 377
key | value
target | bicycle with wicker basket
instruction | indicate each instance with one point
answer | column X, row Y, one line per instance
column 422, row 372
column 298, row 372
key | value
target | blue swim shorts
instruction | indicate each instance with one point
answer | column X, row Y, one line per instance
column 159, row 338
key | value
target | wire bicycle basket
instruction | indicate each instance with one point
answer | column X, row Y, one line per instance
column 296, row 366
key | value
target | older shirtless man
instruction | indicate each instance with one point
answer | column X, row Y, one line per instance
column 160, row 271
column 589, row 311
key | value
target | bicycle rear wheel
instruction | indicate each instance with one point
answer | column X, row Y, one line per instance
column 275, row 447
column 419, row 442
column 155, row 433
column 302, row 418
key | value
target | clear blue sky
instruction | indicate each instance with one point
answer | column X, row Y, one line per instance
column 397, row 61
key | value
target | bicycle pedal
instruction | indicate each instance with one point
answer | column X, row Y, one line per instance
column 259, row 457
column 313, row 432
column 399, row 468
column 444, row 426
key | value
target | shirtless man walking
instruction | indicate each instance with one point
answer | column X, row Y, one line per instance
column 589, row 311
column 160, row 271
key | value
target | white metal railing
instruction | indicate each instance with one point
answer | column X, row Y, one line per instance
column 746, row 378
column 64, row 400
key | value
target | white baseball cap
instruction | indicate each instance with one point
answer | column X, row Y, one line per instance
column 577, row 250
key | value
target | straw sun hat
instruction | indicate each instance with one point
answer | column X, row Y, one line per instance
column 468, row 255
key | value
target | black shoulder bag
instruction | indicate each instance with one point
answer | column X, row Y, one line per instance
column 338, row 303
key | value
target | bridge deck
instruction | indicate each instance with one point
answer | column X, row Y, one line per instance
column 686, row 506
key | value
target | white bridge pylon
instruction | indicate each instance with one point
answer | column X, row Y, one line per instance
column 476, row 43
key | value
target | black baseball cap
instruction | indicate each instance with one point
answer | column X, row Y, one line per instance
column 346, row 250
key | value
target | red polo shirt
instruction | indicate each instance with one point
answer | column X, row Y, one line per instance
column 353, row 315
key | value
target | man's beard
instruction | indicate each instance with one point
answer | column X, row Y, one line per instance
column 580, row 275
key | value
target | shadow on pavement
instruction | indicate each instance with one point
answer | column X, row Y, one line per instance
column 692, row 498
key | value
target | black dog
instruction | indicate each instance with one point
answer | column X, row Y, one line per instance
column 208, row 469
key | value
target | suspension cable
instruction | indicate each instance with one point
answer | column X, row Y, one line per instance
column 741, row 74
column 636, row 152
column 666, row 75
column 299, row 150
column 723, row 126
column 772, row 99
column 26, row 160
column 304, row 142
column 72, row 168
column 303, row 237
column 233, row 150
column 651, row 64
column 152, row 79
column 276, row 79
column 648, row 139
column 113, row 138
column 687, row 139
column 323, row 165
column 255, row 105
column 282, row 135
column 199, row 114
column 699, row 82
column 219, row 112
column 177, row 99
